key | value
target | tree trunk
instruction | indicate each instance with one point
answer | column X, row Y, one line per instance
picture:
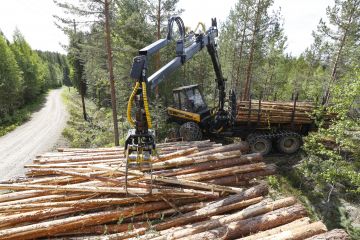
column 244, row 214
column 337, row 59
column 247, row 84
column 270, row 232
column 111, row 73
column 241, row 52
column 83, row 107
column 246, row 226
column 335, row 234
column 300, row 232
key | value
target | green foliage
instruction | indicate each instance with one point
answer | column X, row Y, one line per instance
column 10, row 81
column 25, row 75
column 31, row 65
column 333, row 153
column 97, row 131
column 20, row 115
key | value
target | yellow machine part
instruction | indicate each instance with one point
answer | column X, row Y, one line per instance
column 129, row 105
column 146, row 105
column 183, row 114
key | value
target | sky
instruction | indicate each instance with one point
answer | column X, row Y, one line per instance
column 34, row 19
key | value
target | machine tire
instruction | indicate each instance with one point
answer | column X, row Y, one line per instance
column 259, row 144
column 289, row 143
column 173, row 133
column 190, row 131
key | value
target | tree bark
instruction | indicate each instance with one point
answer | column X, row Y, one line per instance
column 244, row 214
column 335, row 234
column 111, row 72
column 300, row 222
column 247, row 84
column 300, row 232
column 259, row 223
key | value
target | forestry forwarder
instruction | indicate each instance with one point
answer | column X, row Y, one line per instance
column 190, row 109
column 140, row 142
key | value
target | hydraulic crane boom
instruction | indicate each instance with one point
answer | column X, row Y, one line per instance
column 140, row 144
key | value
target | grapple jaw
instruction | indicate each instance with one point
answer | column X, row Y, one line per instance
column 139, row 148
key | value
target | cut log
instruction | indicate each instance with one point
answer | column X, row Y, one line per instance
column 51, row 228
column 244, row 214
column 335, row 234
column 231, row 179
column 294, row 224
column 300, row 232
column 255, row 224
column 246, row 198
column 201, row 176
column 249, row 158
column 182, row 161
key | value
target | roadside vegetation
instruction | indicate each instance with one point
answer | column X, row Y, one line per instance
column 97, row 131
column 21, row 115
column 25, row 77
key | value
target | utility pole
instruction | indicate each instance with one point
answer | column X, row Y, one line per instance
column 111, row 72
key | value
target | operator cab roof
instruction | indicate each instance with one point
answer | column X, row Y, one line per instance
column 185, row 87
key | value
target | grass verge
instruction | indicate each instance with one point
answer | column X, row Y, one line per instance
column 97, row 131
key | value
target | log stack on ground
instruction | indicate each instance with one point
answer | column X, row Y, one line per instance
column 266, row 112
column 201, row 190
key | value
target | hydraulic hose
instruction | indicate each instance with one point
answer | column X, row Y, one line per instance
column 146, row 105
column 129, row 105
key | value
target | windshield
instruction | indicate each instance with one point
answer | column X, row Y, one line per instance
column 196, row 99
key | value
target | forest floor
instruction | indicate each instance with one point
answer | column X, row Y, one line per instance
column 36, row 136
column 334, row 208
column 97, row 131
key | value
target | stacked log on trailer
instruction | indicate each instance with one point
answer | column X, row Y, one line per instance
column 265, row 112
column 201, row 190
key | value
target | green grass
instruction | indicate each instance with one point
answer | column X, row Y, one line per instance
column 97, row 131
column 22, row 115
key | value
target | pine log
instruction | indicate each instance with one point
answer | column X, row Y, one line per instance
column 176, row 154
column 50, row 228
column 246, row 198
column 81, row 203
column 135, row 191
column 248, row 158
column 242, row 146
column 255, row 224
column 211, row 174
column 300, row 232
column 49, row 198
column 39, row 215
column 300, row 222
column 236, row 178
column 246, row 213
column 177, row 162
column 335, row 234
column 105, row 229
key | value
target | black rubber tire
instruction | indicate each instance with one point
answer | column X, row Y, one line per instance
column 289, row 144
column 190, row 131
column 259, row 144
column 173, row 133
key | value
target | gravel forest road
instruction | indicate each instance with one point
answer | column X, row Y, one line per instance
column 36, row 136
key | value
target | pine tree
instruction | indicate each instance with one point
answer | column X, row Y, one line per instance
column 31, row 66
column 79, row 78
column 10, row 81
column 337, row 40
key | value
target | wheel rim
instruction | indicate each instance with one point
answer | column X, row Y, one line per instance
column 259, row 146
column 288, row 143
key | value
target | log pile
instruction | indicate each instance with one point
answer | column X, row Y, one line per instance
column 266, row 112
column 201, row 190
